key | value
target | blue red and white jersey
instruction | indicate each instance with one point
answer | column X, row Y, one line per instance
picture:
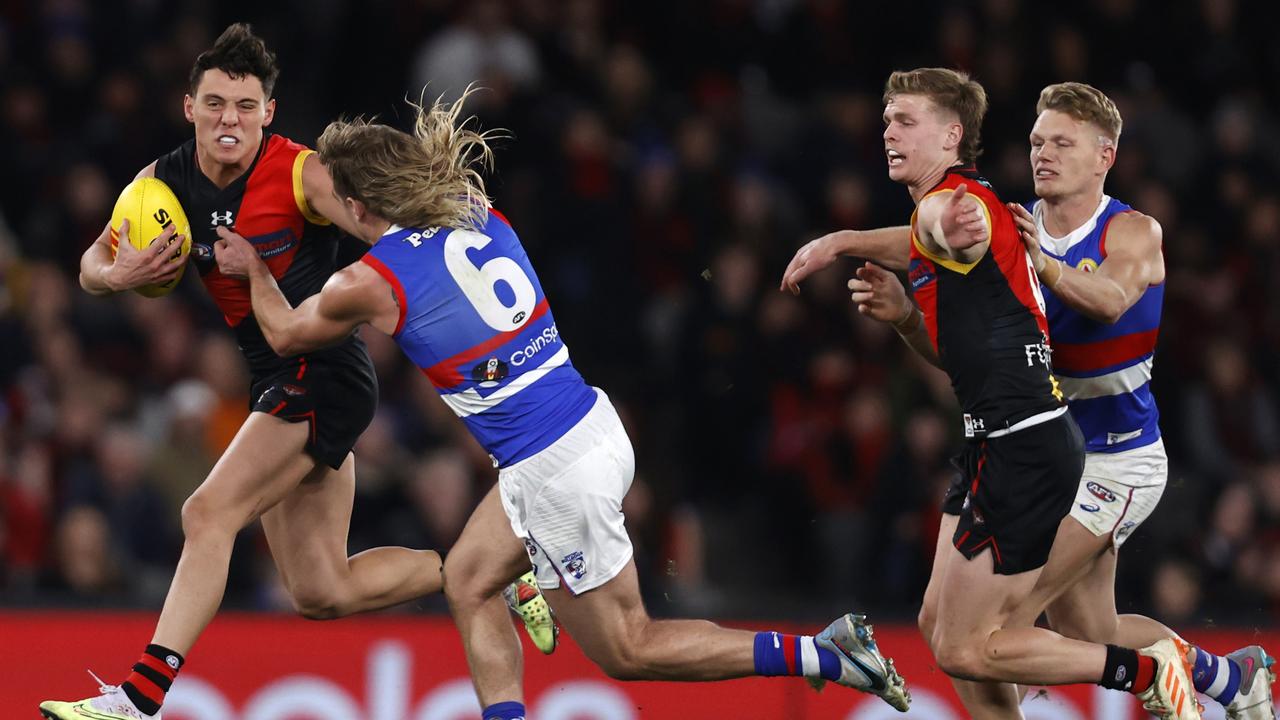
column 474, row 318
column 1105, row 370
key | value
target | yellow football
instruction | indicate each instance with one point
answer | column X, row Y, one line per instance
column 150, row 206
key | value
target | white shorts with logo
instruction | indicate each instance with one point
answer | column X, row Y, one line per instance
column 566, row 502
column 1120, row 490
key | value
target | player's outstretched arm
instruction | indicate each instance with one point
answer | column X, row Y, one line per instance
column 880, row 296
column 889, row 247
column 1133, row 263
column 101, row 273
column 351, row 297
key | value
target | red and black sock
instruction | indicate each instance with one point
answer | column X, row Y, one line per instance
column 1127, row 670
column 151, row 678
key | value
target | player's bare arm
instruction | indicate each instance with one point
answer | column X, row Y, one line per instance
column 318, row 187
column 888, row 247
column 879, row 295
column 1134, row 263
column 955, row 224
column 351, row 297
column 102, row 274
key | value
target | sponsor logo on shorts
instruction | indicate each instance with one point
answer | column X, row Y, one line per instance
column 1100, row 492
column 575, row 565
column 1089, row 507
column 973, row 425
column 490, row 372
column 1125, row 529
column 294, row 390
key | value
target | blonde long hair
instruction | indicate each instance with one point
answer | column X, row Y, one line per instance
column 430, row 178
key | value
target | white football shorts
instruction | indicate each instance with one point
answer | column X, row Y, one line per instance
column 1118, row 491
column 566, row 502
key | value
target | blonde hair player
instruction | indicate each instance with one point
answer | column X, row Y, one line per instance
column 448, row 278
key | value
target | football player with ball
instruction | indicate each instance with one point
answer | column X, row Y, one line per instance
column 290, row 464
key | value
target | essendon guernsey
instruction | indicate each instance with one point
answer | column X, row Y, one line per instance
column 986, row 319
column 267, row 206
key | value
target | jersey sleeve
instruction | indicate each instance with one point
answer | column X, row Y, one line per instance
column 300, row 194
column 388, row 273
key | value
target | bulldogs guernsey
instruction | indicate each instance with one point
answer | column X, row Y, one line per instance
column 986, row 321
column 267, row 206
column 474, row 318
column 1105, row 370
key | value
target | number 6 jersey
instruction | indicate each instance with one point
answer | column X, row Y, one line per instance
column 474, row 318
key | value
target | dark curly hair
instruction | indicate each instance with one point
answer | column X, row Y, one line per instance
column 238, row 52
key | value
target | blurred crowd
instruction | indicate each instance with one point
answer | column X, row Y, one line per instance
column 665, row 161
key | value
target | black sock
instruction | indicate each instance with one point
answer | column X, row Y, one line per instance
column 1121, row 668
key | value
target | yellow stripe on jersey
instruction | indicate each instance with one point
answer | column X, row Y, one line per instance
column 949, row 263
column 300, row 194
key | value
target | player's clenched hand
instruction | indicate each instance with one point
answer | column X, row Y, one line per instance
column 234, row 254
column 809, row 259
column 154, row 265
column 1029, row 233
column 963, row 223
column 879, row 295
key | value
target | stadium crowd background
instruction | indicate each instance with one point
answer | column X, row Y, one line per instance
column 666, row 160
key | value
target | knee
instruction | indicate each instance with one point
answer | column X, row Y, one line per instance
column 314, row 604
column 201, row 519
column 461, row 584
column 961, row 660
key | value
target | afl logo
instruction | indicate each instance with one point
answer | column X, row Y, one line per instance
column 489, row 372
column 1087, row 265
column 202, row 251
column 518, row 318
column 1100, row 492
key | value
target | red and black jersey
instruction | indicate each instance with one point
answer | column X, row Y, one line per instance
column 267, row 206
column 986, row 319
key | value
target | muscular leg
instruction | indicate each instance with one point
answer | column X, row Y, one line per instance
column 973, row 641
column 1077, row 592
column 486, row 558
column 981, row 699
column 612, row 627
column 263, row 463
column 307, row 533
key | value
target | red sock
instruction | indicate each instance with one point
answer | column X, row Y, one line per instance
column 1146, row 673
column 151, row 678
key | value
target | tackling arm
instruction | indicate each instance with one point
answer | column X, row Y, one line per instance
column 1134, row 262
column 352, row 296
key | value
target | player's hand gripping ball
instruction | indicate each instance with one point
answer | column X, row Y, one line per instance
column 150, row 207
